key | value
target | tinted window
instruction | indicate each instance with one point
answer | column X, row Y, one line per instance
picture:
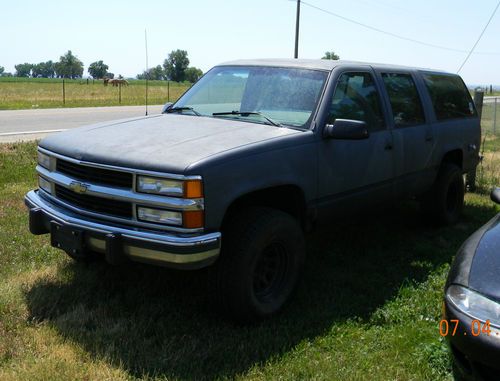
column 286, row 95
column 356, row 98
column 450, row 97
column 405, row 102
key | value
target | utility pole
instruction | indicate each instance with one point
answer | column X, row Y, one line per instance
column 296, row 55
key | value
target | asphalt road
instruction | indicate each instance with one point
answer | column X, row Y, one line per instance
column 16, row 125
column 491, row 99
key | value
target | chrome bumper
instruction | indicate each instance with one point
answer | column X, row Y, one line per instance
column 138, row 245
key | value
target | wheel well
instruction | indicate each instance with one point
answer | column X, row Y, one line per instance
column 287, row 198
column 455, row 157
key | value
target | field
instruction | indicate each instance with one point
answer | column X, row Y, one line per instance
column 368, row 305
column 29, row 93
column 489, row 169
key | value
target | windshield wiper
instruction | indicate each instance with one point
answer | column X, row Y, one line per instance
column 247, row 113
column 181, row 109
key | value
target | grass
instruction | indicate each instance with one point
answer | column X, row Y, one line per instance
column 488, row 173
column 29, row 93
column 368, row 305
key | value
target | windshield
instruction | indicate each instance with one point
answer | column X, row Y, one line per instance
column 283, row 96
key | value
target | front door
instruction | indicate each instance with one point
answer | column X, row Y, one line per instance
column 356, row 173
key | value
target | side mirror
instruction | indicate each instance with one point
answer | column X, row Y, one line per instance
column 495, row 195
column 166, row 107
column 346, row 129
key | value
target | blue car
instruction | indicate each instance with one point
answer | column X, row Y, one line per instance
column 472, row 304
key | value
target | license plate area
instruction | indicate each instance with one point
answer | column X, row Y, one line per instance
column 67, row 238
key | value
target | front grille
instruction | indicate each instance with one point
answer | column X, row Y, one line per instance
column 94, row 204
column 95, row 175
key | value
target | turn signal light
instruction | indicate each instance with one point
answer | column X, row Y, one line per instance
column 193, row 189
column 193, row 219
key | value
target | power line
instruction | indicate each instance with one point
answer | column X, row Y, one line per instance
column 479, row 38
column 389, row 33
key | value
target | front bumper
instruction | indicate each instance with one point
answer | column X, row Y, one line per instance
column 189, row 252
column 475, row 357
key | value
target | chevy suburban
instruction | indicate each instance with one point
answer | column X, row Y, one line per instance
column 250, row 157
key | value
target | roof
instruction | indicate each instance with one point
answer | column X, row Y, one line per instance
column 316, row 64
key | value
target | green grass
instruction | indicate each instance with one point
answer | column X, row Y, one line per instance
column 32, row 93
column 488, row 172
column 367, row 307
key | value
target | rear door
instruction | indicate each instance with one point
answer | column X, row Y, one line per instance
column 413, row 134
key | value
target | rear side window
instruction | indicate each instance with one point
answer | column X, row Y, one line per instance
column 450, row 96
column 356, row 98
column 405, row 102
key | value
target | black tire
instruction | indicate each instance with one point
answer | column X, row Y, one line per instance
column 261, row 259
column 445, row 201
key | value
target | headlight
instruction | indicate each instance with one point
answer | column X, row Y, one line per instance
column 44, row 160
column 44, row 184
column 169, row 187
column 157, row 185
column 159, row 216
column 474, row 304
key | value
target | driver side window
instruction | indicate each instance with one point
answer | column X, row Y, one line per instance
column 356, row 98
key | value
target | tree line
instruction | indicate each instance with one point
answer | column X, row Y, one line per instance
column 68, row 66
column 175, row 68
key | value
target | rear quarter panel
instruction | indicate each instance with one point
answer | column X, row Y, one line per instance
column 454, row 134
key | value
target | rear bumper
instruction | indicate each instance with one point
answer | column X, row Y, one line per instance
column 159, row 248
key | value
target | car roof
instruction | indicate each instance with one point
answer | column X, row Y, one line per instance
column 317, row 64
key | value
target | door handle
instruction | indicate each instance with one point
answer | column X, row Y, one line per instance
column 428, row 138
column 388, row 146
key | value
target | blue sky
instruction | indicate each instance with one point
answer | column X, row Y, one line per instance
column 216, row 31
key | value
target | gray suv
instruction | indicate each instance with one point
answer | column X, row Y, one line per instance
column 250, row 157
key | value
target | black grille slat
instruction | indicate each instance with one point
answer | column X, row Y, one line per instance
column 94, row 204
column 95, row 175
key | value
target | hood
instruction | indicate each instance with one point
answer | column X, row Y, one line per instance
column 166, row 143
column 484, row 275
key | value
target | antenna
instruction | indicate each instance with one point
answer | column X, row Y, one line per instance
column 147, row 68
column 297, row 21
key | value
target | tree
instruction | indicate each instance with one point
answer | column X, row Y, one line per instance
column 23, row 70
column 98, row 69
column 193, row 74
column 176, row 64
column 154, row 73
column 330, row 56
column 2, row 69
column 44, row 69
column 69, row 66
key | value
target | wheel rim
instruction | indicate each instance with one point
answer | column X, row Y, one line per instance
column 453, row 197
column 270, row 273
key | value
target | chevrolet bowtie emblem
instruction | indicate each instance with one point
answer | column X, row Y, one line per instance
column 78, row 187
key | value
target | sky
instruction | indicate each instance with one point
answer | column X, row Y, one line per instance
column 216, row 31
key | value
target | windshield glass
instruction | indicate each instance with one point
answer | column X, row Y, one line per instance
column 283, row 95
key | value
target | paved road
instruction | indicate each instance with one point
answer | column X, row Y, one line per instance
column 18, row 125
column 491, row 99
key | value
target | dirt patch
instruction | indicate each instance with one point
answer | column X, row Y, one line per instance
column 8, row 147
column 9, row 205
